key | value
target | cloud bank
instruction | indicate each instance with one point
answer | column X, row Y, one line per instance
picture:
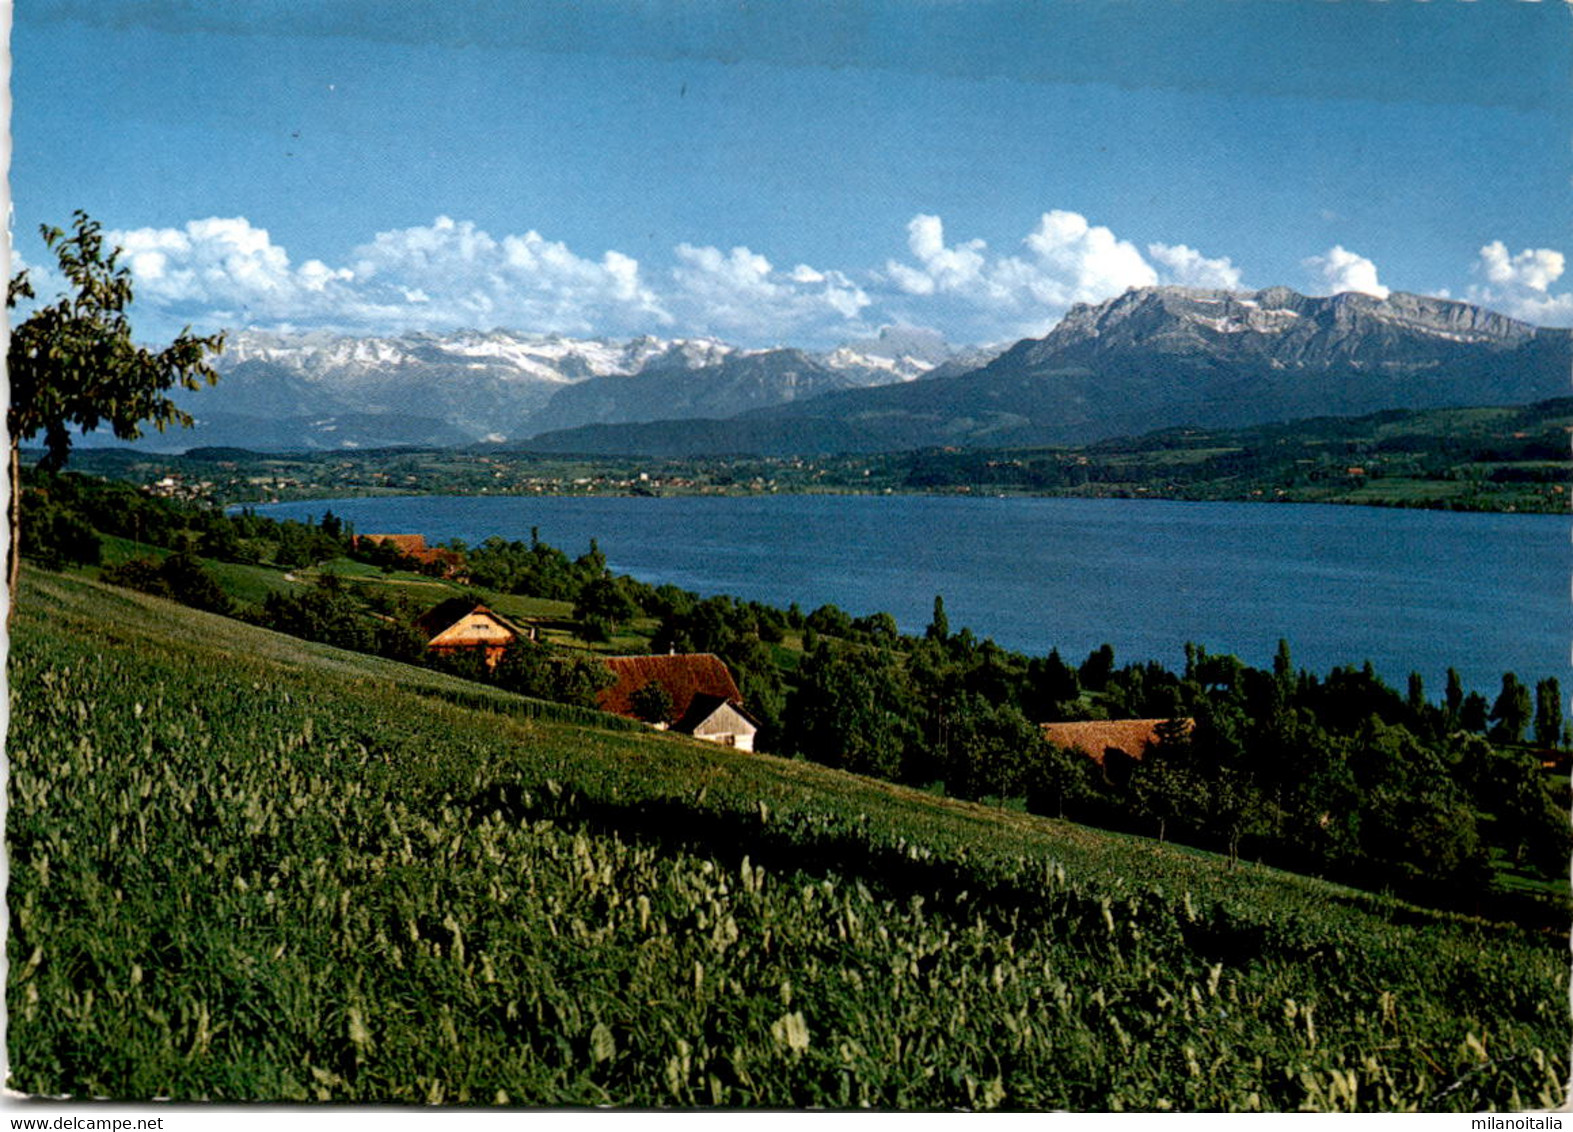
column 226, row 271
column 443, row 275
column 449, row 274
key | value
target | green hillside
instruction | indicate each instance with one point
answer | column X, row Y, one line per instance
column 246, row 867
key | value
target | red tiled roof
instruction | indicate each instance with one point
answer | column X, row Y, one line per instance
column 414, row 547
column 404, row 544
column 684, row 677
column 1096, row 736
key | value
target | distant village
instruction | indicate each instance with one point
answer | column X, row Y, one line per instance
column 226, row 482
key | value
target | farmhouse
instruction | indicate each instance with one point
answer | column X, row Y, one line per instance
column 705, row 702
column 433, row 559
column 460, row 624
column 1131, row 737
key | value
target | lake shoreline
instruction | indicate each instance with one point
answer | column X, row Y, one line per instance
column 1438, row 506
column 1405, row 588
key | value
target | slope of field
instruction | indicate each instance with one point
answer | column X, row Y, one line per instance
column 248, row 868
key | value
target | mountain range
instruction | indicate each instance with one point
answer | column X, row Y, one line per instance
column 1150, row 358
column 1156, row 358
column 318, row 391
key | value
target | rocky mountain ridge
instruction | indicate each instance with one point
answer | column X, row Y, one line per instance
column 1160, row 357
column 1147, row 359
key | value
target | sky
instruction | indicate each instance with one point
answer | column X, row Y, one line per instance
column 790, row 172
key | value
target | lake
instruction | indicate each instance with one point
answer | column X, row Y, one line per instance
column 1408, row 590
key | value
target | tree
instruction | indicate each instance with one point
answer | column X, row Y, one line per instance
column 531, row 669
column 180, row 577
column 54, row 536
column 831, row 621
column 1096, row 669
column 877, row 629
column 1455, row 695
column 1512, row 712
column 1166, row 793
column 1053, row 682
column 1234, row 807
column 1283, row 666
column 653, row 703
column 191, row 584
column 602, row 606
column 1063, row 782
column 324, row 612
column 1548, row 712
column 1472, row 713
column 988, row 748
column 73, row 365
column 852, row 710
column 1415, row 699
column 939, row 627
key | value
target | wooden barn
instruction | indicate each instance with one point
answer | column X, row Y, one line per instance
column 705, row 701
column 1131, row 737
column 461, row 623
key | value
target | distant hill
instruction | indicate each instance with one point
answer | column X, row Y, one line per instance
column 1156, row 358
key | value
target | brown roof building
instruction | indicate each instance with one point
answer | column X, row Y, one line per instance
column 705, row 701
column 448, row 562
column 1096, row 736
column 461, row 624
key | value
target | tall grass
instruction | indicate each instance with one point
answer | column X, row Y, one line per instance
column 248, row 868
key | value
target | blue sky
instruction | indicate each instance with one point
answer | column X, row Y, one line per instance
column 792, row 172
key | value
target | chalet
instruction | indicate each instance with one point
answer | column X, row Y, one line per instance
column 1097, row 737
column 705, row 701
column 460, row 624
column 432, row 559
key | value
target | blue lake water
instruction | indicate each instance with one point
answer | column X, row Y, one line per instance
column 1408, row 590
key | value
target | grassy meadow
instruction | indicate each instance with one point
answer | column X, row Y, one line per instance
column 249, row 868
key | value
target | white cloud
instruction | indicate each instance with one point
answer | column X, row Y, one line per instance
column 445, row 274
column 1187, row 267
column 1339, row 270
column 1520, row 285
column 451, row 273
column 220, row 261
column 225, row 271
column 1534, row 269
column 460, row 275
column 1087, row 262
column 1065, row 260
column 740, row 292
column 944, row 269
